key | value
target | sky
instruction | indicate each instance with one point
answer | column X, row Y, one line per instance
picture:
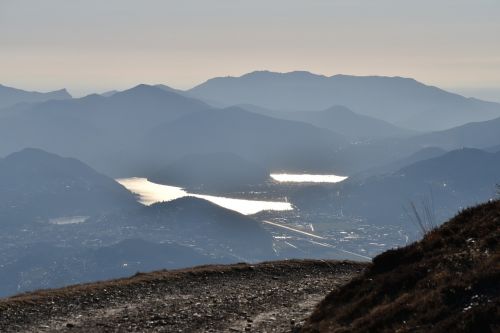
column 98, row 45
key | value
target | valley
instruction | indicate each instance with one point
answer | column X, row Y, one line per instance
column 250, row 166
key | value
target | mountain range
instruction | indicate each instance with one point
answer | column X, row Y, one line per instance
column 275, row 144
column 141, row 130
column 138, row 131
column 443, row 184
column 62, row 222
column 11, row 96
column 401, row 101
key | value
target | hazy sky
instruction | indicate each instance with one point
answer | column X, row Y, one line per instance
column 95, row 45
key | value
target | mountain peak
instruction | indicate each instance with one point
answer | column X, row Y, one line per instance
column 401, row 101
column 146, row 90
column 10, row 96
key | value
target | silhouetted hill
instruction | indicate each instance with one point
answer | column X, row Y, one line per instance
column 216, row 171
column 136, row 108
column 37, row 186
column 421, row 155
column 339, row 119
column 446, row 183
column 473, row 135
column 380, row 153
column 94, row 128
column 275, row 144
column 401, row 101
column 170, row 89
column 218, row 230
column 108, row 93
column 447, row 282
column 10, row 96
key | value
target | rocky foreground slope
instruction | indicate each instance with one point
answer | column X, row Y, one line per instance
column 448, row 282
column 268, row 297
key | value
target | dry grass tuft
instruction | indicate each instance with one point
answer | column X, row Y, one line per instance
column 447, row 282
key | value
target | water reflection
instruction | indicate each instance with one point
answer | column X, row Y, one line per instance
column 150, row 193
column 69, row 220
column 306, row 178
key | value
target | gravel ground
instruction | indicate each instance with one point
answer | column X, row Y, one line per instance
column 267, row 297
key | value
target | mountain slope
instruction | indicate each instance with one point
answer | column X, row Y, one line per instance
column 447, row 183
column 339, row 119
column 473, row 135
column 219, row 231
column 379, row 153
column 421, row 155
column 216, row 171
column 10, row 96
column 94, row 128
column 39, row 186
column 139, row 107
column 273, row 143
column 401, row 101
column 447, row 282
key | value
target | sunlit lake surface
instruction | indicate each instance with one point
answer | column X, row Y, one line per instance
column 150, row 193
column 306, row 178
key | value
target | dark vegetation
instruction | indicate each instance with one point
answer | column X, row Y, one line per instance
column 448, row 282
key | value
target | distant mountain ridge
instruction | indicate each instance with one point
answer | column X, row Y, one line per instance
column 482, row 134
column 401, row 101
column 137, row 131
column 10, row 96
column 341, row 120
column 275, row 144
column 93, row 127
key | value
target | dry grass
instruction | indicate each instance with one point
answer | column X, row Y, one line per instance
column 449, row 281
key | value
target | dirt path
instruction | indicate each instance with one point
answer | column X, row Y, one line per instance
column 269, row 297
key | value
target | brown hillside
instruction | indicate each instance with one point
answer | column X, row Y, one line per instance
column 447, row 282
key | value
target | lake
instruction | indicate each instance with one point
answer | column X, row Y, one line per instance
column 306, row 178
column 150, row 193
